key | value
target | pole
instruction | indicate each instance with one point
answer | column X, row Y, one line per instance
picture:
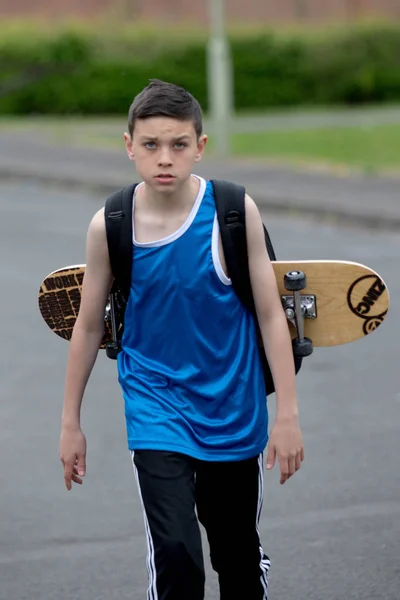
column 220, row 78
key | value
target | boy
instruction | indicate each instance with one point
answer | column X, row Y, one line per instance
column 189, row 368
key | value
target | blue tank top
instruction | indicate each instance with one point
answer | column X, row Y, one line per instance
column 189, row 369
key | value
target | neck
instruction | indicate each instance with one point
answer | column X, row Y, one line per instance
column 176, row 200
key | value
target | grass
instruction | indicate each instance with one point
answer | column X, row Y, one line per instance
column 371, row 149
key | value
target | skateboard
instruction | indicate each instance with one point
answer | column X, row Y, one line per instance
column 326, row 302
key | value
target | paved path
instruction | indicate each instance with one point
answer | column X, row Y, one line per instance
column 370, row 201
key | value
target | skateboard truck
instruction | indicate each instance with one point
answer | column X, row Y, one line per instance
column 297, row 308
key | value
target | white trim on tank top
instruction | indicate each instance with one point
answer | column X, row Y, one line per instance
column 174, row 236
column 182, row 229
column 215, row 253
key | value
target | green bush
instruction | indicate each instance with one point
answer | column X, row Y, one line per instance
column 269, row 72
column 87, row 71
column 361, row 66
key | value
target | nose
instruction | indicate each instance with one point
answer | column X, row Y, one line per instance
column 164, row 157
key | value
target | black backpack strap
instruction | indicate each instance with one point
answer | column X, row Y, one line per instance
column 118, row 220
column 268, row 243
column 230, row 205
column 229, row 202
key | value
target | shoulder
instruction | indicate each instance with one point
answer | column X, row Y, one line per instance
column 253, row 217
column 96, row 237
column 97, row 225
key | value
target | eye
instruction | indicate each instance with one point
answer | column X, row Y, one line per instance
column 149, row 145
column 180, row 145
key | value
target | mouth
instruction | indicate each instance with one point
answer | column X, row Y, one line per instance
column 165, row 177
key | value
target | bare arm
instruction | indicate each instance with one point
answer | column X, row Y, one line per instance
column 271, row 316
column 84, row 345
column 285, row 437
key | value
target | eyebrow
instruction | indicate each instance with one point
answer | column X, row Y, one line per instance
column 155, row 138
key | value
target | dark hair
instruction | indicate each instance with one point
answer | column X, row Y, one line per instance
column 162, row 99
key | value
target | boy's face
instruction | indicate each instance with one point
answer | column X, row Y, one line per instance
column 164, row 151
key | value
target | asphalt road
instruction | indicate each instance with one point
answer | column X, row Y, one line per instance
column 332, row 533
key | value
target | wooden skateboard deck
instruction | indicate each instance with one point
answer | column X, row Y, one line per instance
column 344, row 301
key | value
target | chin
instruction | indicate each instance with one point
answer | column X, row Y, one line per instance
column 165, row 187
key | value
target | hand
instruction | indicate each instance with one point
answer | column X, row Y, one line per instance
column 73, row 455
column 286, row 444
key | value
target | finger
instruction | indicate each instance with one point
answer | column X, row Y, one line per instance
column 298, row 460
column 292, row 466
column 284, row 465
column 77, row 479
column 271, row 456
column 81, row 465
column 68, row 468
column 75, row 475
column 75, row 472
column 302, row 454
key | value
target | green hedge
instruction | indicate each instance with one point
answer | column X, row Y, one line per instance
column 85, row 71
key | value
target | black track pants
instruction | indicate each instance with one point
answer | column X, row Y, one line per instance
column 227, row 498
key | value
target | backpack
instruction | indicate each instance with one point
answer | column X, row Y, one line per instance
column 230, row 207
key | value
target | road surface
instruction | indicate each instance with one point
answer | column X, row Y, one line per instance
column 332, row 532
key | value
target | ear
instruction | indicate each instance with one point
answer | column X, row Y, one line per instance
column 201, row 144
column 128, row 146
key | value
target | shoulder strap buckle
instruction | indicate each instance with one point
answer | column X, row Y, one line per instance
column 115, row 215
column 232, row 217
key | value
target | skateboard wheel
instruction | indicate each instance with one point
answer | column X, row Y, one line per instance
column 302, row 348
column 295, row 281
column 112, row 350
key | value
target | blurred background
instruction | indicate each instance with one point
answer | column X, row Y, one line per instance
column 308, row 81
column 302, row 106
